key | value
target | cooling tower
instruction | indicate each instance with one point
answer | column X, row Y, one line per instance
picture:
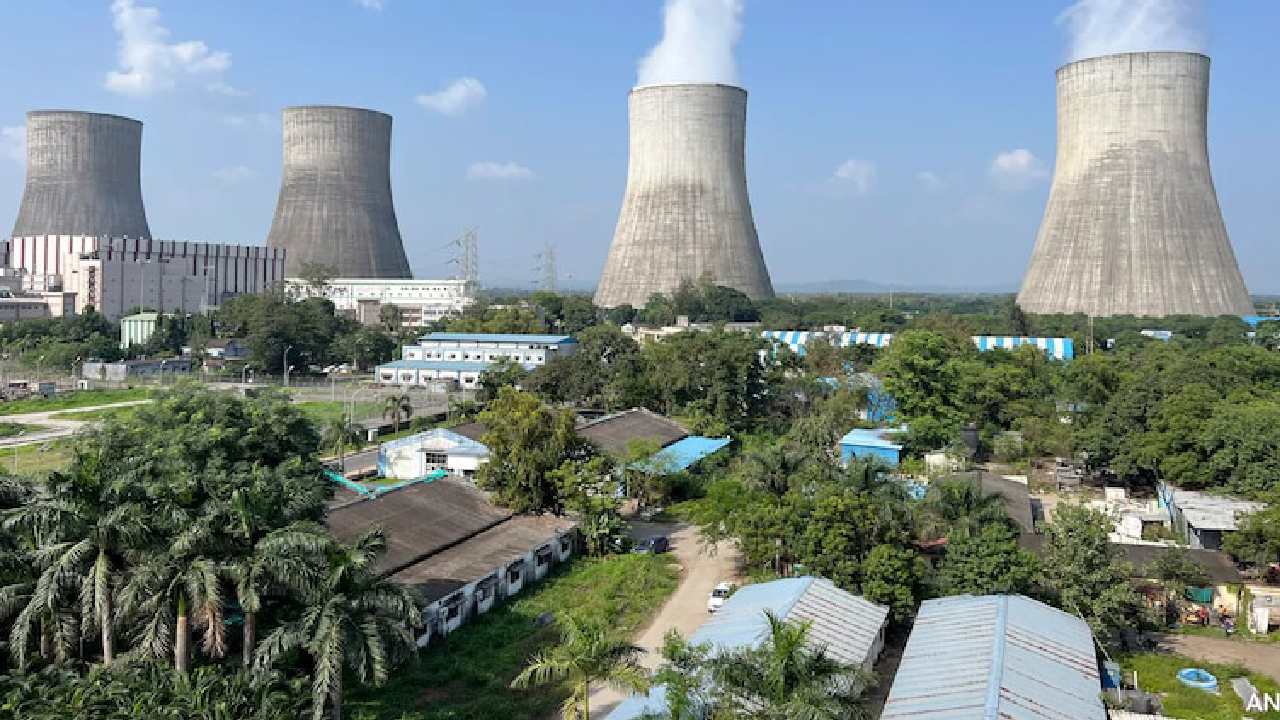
column 83, row 176
column 335, row 204
column 1133, row 226
column 686, row 210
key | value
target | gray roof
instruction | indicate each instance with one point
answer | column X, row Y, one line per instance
column 994, row 657
column 1212, row 512
column 473, row 559
column 1218, row 564
column 473, row 430
column 613, row 433
column 420, row 519
column 1016, row 494
column 845, row 625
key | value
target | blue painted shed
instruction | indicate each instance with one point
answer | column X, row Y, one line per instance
column 683, row 454
column 878, row 443
column 993, row 657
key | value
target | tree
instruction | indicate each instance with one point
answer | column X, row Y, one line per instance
column 621, row 315
column 892, row 576
column 397, row 407
column 784, row 679
column 527, row 445
column 339, row 432
column 505, row 372
column 1257, row 537
column 685, row 677
column 1083, row 573
column 585, row 655
column 658, row 311
column 282, row 560
column 317, row 276
column 354, row 621
column 960, row 508
column 987, row 562
column 925, row 373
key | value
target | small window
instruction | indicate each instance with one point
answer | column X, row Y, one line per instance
column 451, row 613
column 436, row 458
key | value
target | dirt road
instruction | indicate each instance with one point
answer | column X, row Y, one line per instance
column 54, row 428
column 1258, row 657
column 686, row 609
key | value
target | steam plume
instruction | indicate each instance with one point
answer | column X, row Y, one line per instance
column 1108, row 27
column 697, row 43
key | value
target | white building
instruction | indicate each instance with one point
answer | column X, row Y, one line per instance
column 420, row 302
column 116, row 274
column 462, row 357
column 418, row 456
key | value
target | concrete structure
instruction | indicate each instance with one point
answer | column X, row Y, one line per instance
column 460, row 358
column 849, row 628
column 686, row 210
column 646, row 333
column 83, row 176
column 420, row 302
column 1203, row 518
column 32, row 306
column 115, row 274
column 335, row 205
column 137, row 329
column 1133, row 226
column 126, row 370
column 879, row 444
column 996, row 656
column 420, row 455
column 1055, row 348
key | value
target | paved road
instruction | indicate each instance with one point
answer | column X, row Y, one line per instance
column 1258, row 657
column 54, row 427
column 686, row 609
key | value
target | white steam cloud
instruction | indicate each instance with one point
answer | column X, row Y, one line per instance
column 697, row 43
column 1107, row 27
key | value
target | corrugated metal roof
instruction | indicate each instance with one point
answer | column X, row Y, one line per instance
column 442, row 440
column 870, row 438
column 614, row 433
column 996, row 657
column 846, row 625
column 445, row 365
column 499, row 337
column 1211, row 512
column 682, row 453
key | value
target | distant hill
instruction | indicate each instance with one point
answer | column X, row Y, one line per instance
column 866, row 287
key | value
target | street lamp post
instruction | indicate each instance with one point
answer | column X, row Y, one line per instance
column 39, row 363
column 286, row 365
column 15, row 451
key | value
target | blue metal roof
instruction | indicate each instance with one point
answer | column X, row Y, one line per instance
column 996, row 657
column 846, row 625
column 499, row 337
column 1253, row 321
column 683, row 453
column 871, row 438
column 445, row 365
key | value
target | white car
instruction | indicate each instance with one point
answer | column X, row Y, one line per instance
column 719, row 595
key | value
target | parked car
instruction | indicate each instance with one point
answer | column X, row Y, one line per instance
column 719, row 594
column 656, row 544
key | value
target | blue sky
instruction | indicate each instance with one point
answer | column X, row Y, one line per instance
column 873, row 134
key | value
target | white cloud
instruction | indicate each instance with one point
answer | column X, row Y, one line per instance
column 860, row 174
column 932, row 181
column 221, row 88
column 1017, row 170
column 13, row 143
column 498, row 171
column 371, row 4
column 149, row 64
column 461, row 95
column 235, row 174
column 258, row 120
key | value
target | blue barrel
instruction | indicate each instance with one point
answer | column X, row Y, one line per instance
column 1111, row 677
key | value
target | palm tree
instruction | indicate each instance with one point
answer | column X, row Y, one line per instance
column 586, row 655
column 282, row 560
column 786, row 680
column 773, row 470
column 338, row 432
column 355, row 620
column 961, row 508
column 397, row 407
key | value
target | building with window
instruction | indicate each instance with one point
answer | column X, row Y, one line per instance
column 418, row 302
column 462, row 357
column 1204, row 518
column 421, row 455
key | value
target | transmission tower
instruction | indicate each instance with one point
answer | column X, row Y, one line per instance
column 468, row 261
column 547, row 265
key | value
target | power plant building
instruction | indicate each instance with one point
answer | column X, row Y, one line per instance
column 686, row 212
column 418, row 303
column 83, row 176
column 1133, row 226
column 335, row 207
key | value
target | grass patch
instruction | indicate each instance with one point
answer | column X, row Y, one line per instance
column 1242, row 634
column 12, row 429
column 322, row 411
column 467, row 675
column 78, row 399
column 1157, row 673
column 108, row 413
column 34, row 459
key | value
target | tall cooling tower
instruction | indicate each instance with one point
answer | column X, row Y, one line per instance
column 83, row 176
column 686, row 210
column 335, row 204
column 1133, row 226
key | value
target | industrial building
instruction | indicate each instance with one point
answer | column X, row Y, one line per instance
column 686, row 211
column 1203, row 518
column 1133, row 226
column 849, row 628
column 460, row 552
column 1054, row 348
column 335, row 208
column 460, row 358
column 427, row 453
column 126, row 370
column 996, row 656
column 881, row 444
column 418, row 302
column 83, row 176
column 116, row 274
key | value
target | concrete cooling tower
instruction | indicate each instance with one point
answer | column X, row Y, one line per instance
column 686, row 210
column 335, row 204
column 1133, row 226
column 83, row 176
